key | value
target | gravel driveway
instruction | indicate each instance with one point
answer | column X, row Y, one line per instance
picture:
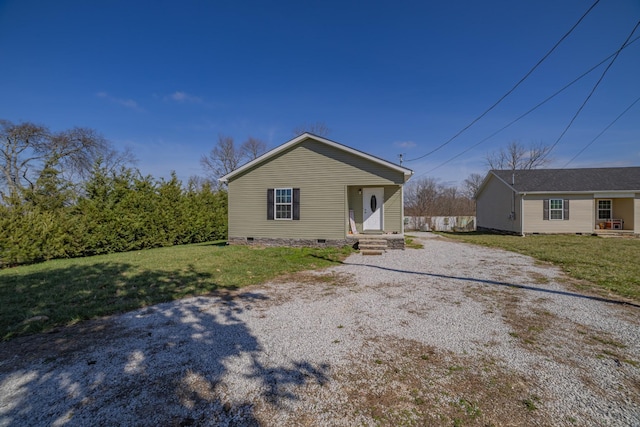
column 452, row 334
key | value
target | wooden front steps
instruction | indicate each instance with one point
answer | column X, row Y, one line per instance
column 372, row 245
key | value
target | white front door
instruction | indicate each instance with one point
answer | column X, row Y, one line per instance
column 372, row 202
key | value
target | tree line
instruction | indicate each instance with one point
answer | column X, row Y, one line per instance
column 70, row 194
column 428, row 197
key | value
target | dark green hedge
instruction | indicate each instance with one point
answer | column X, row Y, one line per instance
column 112, row 212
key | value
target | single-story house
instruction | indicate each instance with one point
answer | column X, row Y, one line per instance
column 311, row 191
column 549, row 201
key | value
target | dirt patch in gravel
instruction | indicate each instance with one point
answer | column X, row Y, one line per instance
column 403, row 382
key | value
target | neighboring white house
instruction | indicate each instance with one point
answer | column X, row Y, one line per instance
column 549, row 201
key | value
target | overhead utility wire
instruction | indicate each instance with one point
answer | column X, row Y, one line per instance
column 592, row 90
column 540, row 104
column 603, row 131
column 510, row 90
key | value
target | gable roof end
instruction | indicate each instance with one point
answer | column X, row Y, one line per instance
column 297, row 140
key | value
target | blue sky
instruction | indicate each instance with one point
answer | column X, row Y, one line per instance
column 166, row 78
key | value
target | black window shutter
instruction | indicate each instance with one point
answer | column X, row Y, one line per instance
column 270, row 203
column 565, row 208
column 545, row 209
column 296, row 203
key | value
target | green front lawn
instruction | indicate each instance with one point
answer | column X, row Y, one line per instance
column 611, row 263
column 38, row 297
column 42, row 296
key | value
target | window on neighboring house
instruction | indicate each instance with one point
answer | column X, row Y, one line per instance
column 604, row 209
column 555, row 209
column 284, row 203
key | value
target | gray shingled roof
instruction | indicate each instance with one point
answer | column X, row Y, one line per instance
column 592, row 179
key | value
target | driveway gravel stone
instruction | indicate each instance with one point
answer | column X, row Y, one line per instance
column 451, row 334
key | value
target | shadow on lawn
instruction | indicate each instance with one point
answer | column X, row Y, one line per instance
column 79, row 292
column 166, row 364
column 506, row 284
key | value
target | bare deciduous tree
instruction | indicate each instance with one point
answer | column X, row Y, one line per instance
column 426, row 198
column 471, row 185
column 317, row 128
column 222, row 159
column 25, row 149
column 452, row 201
column 78, row 148
column 225, row 157
column 22, row 145
column 420, row 196
column 113, row 159
column 252, row 148
column 197, row 182
column 517, row 157
column 448, row 201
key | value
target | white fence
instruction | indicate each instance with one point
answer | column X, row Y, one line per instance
column 440, row 223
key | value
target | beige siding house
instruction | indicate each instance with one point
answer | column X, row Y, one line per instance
column 312, row 191
column 546, row 201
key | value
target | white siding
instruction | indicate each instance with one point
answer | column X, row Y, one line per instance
column 495, row 203
column 581, row 215
column 636, row 219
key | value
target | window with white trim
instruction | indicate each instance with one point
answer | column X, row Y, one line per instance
column 556, row 208
column 604, row 209
column 283, row 203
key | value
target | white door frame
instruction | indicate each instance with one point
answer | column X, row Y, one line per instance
column 372, row 219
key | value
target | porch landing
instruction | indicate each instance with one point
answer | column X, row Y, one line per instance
column 615, row 233
column 376, row 244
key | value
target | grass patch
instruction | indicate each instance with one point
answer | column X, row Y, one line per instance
column 42, row 296
column 530, row 403
column 411, row 243
column 470, row 409
column 609, row 263
column 607, row 341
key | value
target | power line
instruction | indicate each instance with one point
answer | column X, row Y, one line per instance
column 603, row 131
column 531, row 109
column 593, row 89
column 510, row 90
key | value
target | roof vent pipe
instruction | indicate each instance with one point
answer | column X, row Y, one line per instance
column 513, row 178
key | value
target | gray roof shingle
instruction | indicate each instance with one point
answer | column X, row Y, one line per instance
column 570, row 180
